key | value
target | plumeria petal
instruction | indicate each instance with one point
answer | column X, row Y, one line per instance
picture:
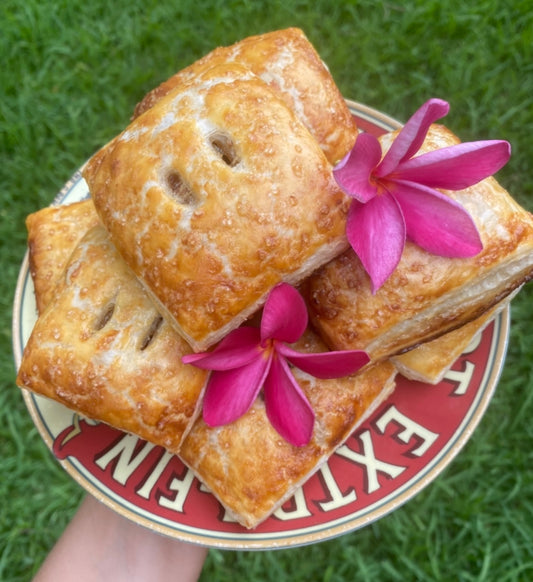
column 376, row 231
column 412, row 135
column 286, row 405
column 456, row 167
column 325, row 364
column 436, row 222
column 284, row 315
column 354, row 171
column 398, row 197
column 230, row 393
column 237, row 349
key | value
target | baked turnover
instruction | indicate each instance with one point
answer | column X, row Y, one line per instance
column 427, row 295
column 102, row 349
column 222, row 187
column 290, row 65
column 213, row 196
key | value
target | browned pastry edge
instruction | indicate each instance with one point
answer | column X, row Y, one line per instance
column 53, row 233
column 427, row 295
column 211, row 257
column 252, row 471
column 291, row 66
column 101, row 348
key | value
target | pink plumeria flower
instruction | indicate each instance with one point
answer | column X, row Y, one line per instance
column 251, row 358
column 394, row 197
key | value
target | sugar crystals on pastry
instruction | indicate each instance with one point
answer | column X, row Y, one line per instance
column 426, row 295
column 252, row 471
column 290, row 65
column 220, row 188
column 53, row 233
column 213, row 196
column 101, row 348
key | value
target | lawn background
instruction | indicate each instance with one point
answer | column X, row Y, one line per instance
column 71, row 73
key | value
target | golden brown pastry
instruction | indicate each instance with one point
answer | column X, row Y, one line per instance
column 213, row 196
column 288, row 62
column 53, row 233
column 427, row 295
column 128, row 374
column 252, row 471
column 101, row 348
column 219, row 189
column 119, row 367
column 430, row 361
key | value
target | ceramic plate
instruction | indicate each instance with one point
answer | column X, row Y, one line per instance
column 397, row 452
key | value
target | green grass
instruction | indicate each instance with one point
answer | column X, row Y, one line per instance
column 71, row 74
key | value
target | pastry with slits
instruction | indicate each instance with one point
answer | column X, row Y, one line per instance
column 101, row 348
column 213, row 196
column 290, row 65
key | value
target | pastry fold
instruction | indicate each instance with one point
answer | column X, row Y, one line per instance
column 430, row 361
column 213, row 196
column 427, row 295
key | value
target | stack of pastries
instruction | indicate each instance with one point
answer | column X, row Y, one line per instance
column 220, row 188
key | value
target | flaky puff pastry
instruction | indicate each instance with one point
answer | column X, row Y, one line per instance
column 213, row 196
column 252, row 471
column 53, row 233
column 101, row 348
column 426, row 295
column 288, row 62
column 429, row 362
